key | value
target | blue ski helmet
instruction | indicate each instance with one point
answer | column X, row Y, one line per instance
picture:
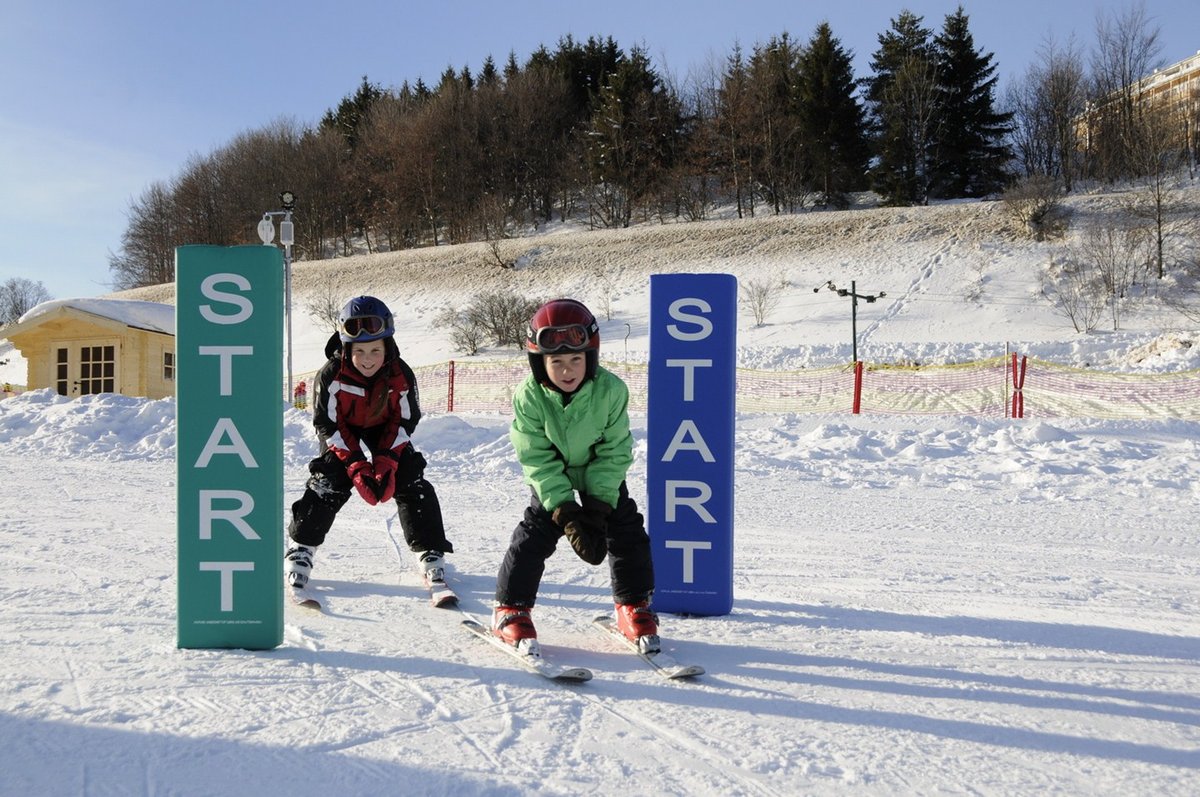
column 365, row 318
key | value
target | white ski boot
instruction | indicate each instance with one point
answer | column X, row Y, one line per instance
column 297, row 564
column 433, row 567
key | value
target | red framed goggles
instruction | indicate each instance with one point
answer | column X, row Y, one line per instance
column 361, row 325
column 573, row 337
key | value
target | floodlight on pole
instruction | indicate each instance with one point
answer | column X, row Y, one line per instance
column 854, row 297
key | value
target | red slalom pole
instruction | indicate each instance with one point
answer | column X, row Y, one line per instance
column 858, row 379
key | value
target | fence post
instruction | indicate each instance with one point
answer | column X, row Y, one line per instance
column 1018, row 379
column 858, row 380
column 450, row 389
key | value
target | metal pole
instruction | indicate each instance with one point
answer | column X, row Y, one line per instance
column 853, row 321
column 287, row 311
column 854, row 297
column 287, row 236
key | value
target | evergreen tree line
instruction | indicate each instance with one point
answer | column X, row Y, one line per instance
column 591, row 131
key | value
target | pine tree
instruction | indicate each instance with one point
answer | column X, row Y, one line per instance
column 735, row 132
column 632, row 139
column 972, row 157
column 779, row 169
column 351, row 112
column 901, row 97
column 832, row 123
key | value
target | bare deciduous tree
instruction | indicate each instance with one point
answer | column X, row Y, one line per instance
column 1159, row 155
column 1047, row 103
column 147, row 254
column 324, row 303
column 501, row 316
column 465, row 334
column 1127, row 50
column 1036, row 204
column 1119, row 254
column 1075, row 290
column 19, row 295
column 761, row 298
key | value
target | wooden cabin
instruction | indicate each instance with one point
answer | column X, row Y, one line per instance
column 83, row 346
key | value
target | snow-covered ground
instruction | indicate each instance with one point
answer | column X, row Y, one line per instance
column 922, row 605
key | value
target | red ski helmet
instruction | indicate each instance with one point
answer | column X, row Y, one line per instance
column 562, row 326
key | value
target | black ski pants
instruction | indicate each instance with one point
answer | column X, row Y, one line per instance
column 329, row 488
column 536, row 537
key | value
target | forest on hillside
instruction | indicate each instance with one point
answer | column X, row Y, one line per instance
column 591, row 131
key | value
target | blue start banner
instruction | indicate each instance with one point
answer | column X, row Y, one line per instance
column 690, row 424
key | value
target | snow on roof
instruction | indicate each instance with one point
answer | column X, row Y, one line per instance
column 153, row 316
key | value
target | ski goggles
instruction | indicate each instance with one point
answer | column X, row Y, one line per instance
column 361, row 325
column 573, row 337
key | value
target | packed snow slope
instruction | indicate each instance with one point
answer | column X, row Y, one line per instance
column 951, row 606
column 922, row 605
column 962, row 282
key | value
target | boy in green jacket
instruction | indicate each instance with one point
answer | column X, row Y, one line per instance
column 571, row 435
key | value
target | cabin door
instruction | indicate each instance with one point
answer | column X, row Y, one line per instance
column 84, row 368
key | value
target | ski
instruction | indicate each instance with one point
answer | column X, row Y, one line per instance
column 440, row 593
column 663, row 663
column 531, row 660
column 304, row 598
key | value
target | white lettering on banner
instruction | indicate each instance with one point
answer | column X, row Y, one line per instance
column 209, row 291
column 226, row 569
column 696, row 502
column 689, row 375
column 676, row 311
column 208, row 513
column 689, row 548
column 226, row 353
column 237, row 445
column 687, row 429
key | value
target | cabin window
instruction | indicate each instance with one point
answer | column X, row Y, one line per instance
column 97, row 369
column 62, row 372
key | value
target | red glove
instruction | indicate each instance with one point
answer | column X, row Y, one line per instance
column 385, row 476
column 364, row 481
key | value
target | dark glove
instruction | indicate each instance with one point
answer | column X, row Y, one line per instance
column 385, row 477
column 586, row 531
column 363, row 476
column 598, row 510
column 565, row 513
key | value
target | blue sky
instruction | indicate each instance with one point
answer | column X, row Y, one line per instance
column 100, row 99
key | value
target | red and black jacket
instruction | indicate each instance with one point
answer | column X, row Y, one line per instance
column 353, row 413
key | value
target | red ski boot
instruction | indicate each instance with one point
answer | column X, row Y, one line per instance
column 513, row 624
column 639, row 624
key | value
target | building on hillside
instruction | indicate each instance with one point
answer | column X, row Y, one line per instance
column 83, row 346
column 1171, row 93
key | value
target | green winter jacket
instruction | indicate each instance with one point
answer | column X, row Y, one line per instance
column 585, row 445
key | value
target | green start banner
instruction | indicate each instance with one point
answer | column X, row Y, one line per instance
column 229, row 425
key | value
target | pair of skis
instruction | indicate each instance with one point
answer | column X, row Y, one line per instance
column 440, row 595
column 530, row 656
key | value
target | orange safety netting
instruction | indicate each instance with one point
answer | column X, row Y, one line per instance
column 985, row 388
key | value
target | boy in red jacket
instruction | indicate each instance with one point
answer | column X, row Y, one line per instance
column 366, row 402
